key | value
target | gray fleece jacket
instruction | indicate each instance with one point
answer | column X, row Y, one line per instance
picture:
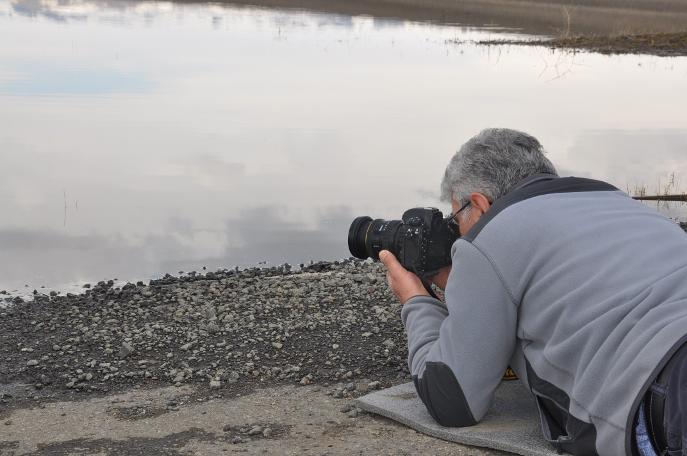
column 579, row 288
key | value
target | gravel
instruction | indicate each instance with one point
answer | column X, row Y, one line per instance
column 330, row 324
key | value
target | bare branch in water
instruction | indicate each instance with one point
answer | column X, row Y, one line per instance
column 680, row 197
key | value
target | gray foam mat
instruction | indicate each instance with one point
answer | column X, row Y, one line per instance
column 512, row 423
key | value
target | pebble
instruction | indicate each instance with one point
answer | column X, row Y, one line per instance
column 267, row 432
column 215, row 384
column 126, row 350
column 353, row 413
column 32, row 362
column 255, row 430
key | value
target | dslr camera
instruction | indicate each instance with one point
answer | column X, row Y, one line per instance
column 421, row 240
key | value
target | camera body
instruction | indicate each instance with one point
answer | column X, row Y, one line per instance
column 421, row 240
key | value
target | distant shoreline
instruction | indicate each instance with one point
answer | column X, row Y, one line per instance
column 657, row 27
column 541, row 17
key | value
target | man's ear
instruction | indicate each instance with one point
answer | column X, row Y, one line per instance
column 478, row 200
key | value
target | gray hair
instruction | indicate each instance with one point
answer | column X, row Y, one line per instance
column 492, row 163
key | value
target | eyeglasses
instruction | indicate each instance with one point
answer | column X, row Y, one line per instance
column 452, row 219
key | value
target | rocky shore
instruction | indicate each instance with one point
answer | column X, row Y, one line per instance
column 227, row 332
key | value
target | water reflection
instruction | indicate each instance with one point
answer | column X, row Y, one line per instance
column 654, row 161
column 638, row 157
column 51, row 80
column 144, row 138
column 262, row 235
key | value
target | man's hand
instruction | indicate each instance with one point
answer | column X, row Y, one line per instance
column 442, row 277
column 402, row 282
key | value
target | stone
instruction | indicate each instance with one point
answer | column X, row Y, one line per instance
column 125, row 350
column 267, row 432
column 32, row 362
column 389, row 343
column 255, row 430
column 215, row 384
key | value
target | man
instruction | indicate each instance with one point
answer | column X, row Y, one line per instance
column 579, row 288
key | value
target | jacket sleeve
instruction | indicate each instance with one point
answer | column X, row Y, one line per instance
column 458, row 352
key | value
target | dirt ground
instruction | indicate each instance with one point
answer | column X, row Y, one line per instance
column 301, row 420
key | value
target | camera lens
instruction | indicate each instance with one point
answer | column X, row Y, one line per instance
column 356, row 237
column 367, row 237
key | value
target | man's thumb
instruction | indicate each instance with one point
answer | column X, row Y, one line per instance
column 387, row 258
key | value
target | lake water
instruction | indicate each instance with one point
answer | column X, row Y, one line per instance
column 138, row 139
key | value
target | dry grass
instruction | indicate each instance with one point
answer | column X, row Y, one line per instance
column 665, row 191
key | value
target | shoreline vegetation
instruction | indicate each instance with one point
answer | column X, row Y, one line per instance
column 654, row 27
column 658, row 44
